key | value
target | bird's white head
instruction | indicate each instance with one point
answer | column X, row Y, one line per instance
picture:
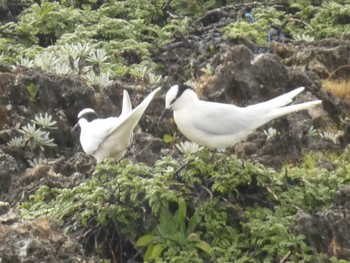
column 177, row 96
column 85, row 116
column 176, row 93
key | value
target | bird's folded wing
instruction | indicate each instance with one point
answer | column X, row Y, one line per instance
column 128, row 121
column 220, row 121
column 97, row 132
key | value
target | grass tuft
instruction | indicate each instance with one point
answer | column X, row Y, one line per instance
column 339, row 88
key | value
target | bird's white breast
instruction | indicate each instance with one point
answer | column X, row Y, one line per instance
column 94, row 133
column 213, row 125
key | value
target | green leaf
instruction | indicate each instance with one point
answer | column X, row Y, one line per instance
column 192, row 223
column 149, row 251
column 32, row 90
column 193, row 237
column 157, row 250
column 180, row 215
column 153, row 251
column 145, row 240
column 204, row 246
column 166, row 225
column 167, row 138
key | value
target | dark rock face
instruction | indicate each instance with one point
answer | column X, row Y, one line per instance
column 145, row 148
column 329, row 231
column 41, row 239
column 9, row 169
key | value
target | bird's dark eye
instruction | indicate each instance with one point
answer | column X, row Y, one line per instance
column 181, row 89
column 89, row 116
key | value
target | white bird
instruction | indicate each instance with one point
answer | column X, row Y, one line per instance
column 217, row 125
column 110, row 137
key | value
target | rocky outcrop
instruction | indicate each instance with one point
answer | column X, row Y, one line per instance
column 329, row 231
column 40, row 239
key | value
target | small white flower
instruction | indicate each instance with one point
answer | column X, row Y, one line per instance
column 312, row 132
column 153, row 78
column 24, row 62
column 36, row 161
column 102, row 80
column 331, row 136
column 270, row 133
column 304, row 37
column 82, row 50
column 191, row 83
column 44, row 121
column 45, row 61
column 62, row 68
column 98, row 57
column 188, row 148
column 208, row 69
column 17, row 142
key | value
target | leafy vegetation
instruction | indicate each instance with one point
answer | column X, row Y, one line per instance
column 212, row 208
column 35, row 136
column 309, row 20
column 172, row 233
column 128, row 33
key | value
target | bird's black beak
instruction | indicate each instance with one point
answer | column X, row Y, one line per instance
column 75, row 127
column 161, row 117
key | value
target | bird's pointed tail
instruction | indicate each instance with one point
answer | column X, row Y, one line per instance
column 275, row 113
column 278, row 101
column 126, row 108
column 132, row 118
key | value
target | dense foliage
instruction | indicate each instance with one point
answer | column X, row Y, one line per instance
column 208, row 209
column 130, row 32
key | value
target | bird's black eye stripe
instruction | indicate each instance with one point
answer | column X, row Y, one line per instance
column 89, row 116
column 182, row 88
column 172, row 102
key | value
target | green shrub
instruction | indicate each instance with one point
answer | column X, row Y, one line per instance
column 43, row 24
column 333, row 19
column 212, row 208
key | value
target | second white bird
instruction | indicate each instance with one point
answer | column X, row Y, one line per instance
column 112, row 136
column 218, row 125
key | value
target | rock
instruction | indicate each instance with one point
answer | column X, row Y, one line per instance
column 331, row 53
column 38, row 240
column 145, row 148
column 7, row 214
column 243, row 79
column 8, row 171
column 80, row 162
column 56, row 173
column 320, row 69
column 329, row 231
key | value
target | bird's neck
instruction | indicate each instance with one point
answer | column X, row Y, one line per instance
column 187, row 99
column 83, row 123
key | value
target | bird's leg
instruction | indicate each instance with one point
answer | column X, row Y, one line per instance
column 212, row 155
column 178, row 170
